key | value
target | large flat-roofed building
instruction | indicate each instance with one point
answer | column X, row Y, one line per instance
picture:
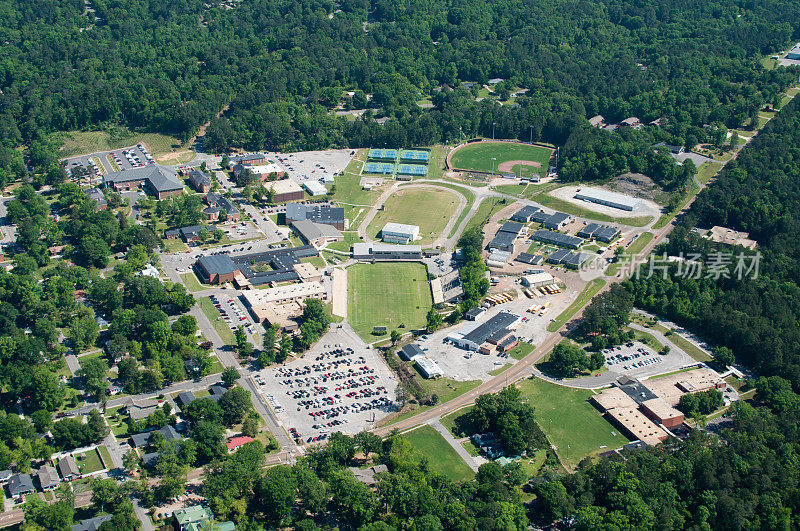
column 285, row 190
column 794, row 53
column 324, row 214
column 410, row 352
column 537, row 279
column 284, row 294
column 221, row 268
column 317, row 234
column 556, row 238
column 399, row 233
column 612, row 398
column 610, row 199
column 637, row 425
column 427, row 367
column 266, row 171
column 527, row 258
column 498, row 259
column 447, row 287
column 156, row 179
column 474, row 336
column 730, row 237
column 315, row 188
column 662, row 413
column 386, row 251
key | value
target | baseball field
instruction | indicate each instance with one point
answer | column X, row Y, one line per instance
column 509, row 157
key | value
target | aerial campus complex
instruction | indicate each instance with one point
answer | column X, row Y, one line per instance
column 397, row 267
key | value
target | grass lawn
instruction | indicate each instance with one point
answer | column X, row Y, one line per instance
column 191, row 282
column 387, row 294
column 89, row 462
column 428, row 208
column 688, row 347
column 118, row 426
column 521, row 350
column 567, row 207
column 485, row 211
column 106, row 457
column 449, row 421
column 175, row 245
column 478, row 156
column 649, row 340
column 707, row 170
column 445, row 388
column 442, row 457
column 224, row 331
column 470, row 197
column 349, row 193
column 436, row 162
column 316, row 261
column 586, row 295
column 633, row 249
column 80, row 142
column 570, row 421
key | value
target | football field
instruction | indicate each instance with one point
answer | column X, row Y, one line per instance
column 387, row 294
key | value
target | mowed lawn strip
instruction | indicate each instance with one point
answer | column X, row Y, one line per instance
column 570, row 421
column 478, row 156
column 387, row 294
column 441, row 456
column 588, row 292
column 428, row 208
column 224, row 331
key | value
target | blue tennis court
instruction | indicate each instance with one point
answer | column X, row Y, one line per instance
column 382, row 168
column 412, row 169
column 415, row 155
column 382, row 154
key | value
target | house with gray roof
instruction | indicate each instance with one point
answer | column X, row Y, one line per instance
column 91, row 524
column 19, row 485
column 48, row 477
column 68, row 468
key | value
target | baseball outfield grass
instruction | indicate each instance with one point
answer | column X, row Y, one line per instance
column 393, row 295
column 478, row 157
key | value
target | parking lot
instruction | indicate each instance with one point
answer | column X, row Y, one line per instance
column 336, row 386
column 312, row 165
column 233, row 315
column 461, row 364
column 119, row 159
column 631, row 356
column 241, row 230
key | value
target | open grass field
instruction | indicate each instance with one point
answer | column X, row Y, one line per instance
column 485, row 211
column 224, row 331
column 387, row 294
column 585, row 296
column 191, row 282
column 349, row 193
column 447, row 390
column 634, row 249
column 707, row 170
column 442, row 457
column 81, row 142
column 429, row 208
column 570, row 421
column 478, row 157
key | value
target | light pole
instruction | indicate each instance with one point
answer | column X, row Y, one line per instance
column 493, row 124
column 493, row 159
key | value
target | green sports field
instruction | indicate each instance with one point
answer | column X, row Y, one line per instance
column 387, row 294
column 478, row 157
column 428, row 208
column 570, row 421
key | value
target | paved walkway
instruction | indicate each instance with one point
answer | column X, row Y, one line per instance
column 452, row 441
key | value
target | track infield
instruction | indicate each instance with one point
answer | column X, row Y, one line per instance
column 387, row 294
column 522, row 159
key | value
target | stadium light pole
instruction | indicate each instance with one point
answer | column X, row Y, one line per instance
column 493, row 159
column 493, row 124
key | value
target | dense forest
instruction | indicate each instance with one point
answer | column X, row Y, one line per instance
column 757, row 318
column 172, row 65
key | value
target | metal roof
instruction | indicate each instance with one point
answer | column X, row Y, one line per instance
column 557, row 238
column 498, row 322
